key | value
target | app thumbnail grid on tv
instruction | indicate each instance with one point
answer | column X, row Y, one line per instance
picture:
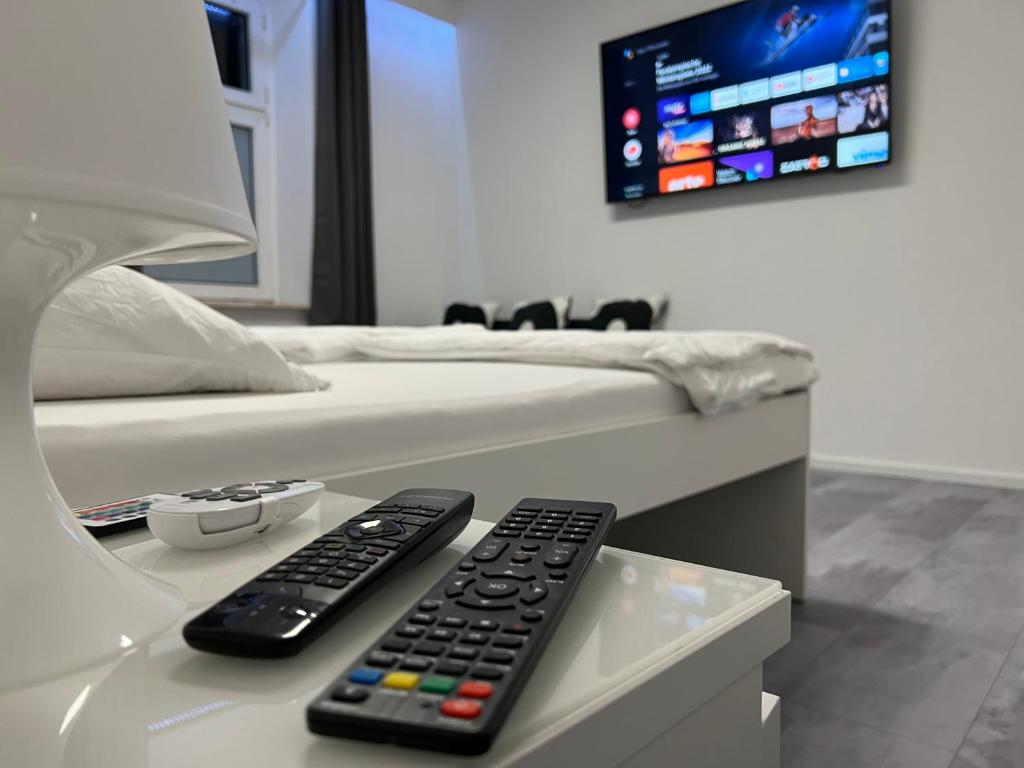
column 759, row 90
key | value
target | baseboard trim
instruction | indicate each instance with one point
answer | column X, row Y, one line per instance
column 919, row 471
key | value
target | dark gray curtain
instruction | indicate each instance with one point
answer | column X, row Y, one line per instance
column 343, row 276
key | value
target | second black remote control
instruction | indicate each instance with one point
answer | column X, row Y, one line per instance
column 446, row 675
column 280, row 611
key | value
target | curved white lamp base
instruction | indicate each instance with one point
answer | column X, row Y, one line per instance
column 67, row 602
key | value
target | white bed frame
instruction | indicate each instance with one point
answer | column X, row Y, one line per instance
column 727, row 491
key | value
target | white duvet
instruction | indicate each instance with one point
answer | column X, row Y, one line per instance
column 719, row 370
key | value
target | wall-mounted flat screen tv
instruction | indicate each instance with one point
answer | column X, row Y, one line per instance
column 756, row 91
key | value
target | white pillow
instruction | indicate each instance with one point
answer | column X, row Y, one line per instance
column 117, row 333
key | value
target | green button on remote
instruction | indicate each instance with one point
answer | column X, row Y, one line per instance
column 442, row 685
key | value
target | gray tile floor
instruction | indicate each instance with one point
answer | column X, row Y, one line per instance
column 909, row 649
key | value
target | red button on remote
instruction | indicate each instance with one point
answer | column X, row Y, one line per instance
column 460, row 708
column 476, row 690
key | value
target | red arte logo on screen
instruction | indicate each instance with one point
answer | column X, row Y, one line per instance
column 685, row 178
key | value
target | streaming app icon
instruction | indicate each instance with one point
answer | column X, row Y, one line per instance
column 684, row 178
column 750, row 167
column 863, row 150
column 856, row 69
column 632, row 151
column 757, row 90
column 700, row 103
column 821, row 77
column 725, row 98
column 631, row 119
column 672, row 109
column 787, row 85
column 882, row 63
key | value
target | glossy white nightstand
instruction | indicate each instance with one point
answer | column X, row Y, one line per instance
column 656, row 663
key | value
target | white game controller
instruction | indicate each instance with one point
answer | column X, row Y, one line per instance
column 211, row 518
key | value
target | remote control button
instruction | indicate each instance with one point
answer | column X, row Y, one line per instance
column 457, row 588
column 490, row 551
column 382, row 509
column 201, row 494
column 527, row 507
column 397, row 646
column 485, row 625
column 484, row 603
column 507, row 642
column 415, row 520
column 401, row 681
column 545, row 529
column 560, row 555
column 414, row 664
column 444, row 635
column 428, row 649
column 496, row 589
column 510, row 573
column 219, row 497
column 475, row 638
column 557, row 508
column 499, row 657
column 367, row 559
column 378, row 659
column 465, row 565
column 288, row 482
column 300, row 578
column 271, row 576
column 573, row 538
column 455, row 668
column 331, row 582
column 350, row 694
column 507, row 534
column 407, row 505
column 522, row 557
column 297, row 611
column 577, row 530
column 429, row 605
column 316, row 570
column 358, row 567
column 342, row 573
column 462, row 652
column 271, row 487
column 373, row 529
column 428, row 513
column 441, row 685
column 534, row 593
column 365, row 676
column 532, row 616
column 461, row 708
column 558, row 575
column 422, row 618
column 589, row 515
column 388, row 543
column 330, row 562
column 530, row 547
column 410, row 631
column 245, row 497
column 540, row 535
column 473, row 690
column 358, row 548
column 517, row 629
column 453, row 621
column 432, row 508
column 376, row 551
column 487, row 673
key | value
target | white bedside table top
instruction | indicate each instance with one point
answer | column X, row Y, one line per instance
column 639, row 624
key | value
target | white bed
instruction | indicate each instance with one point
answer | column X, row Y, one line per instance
column 503, row 430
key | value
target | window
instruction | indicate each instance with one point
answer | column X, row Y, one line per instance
column 239, row 29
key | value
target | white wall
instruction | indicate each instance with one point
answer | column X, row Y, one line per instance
column 906, row 281
column 426, row 250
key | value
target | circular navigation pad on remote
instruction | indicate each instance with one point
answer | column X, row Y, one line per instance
column 373, row 529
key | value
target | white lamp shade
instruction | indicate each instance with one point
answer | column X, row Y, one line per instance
column 117, row 104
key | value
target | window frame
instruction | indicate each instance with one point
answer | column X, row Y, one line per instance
column 251, row 110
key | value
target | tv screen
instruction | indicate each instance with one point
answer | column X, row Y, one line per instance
column 753, row 92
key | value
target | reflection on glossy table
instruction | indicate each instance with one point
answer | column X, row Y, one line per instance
column 646, row 642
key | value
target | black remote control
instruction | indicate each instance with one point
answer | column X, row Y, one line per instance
column 446, row 675
column 282, row 610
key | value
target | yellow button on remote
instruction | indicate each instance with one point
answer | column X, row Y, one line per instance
column 403, row 681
